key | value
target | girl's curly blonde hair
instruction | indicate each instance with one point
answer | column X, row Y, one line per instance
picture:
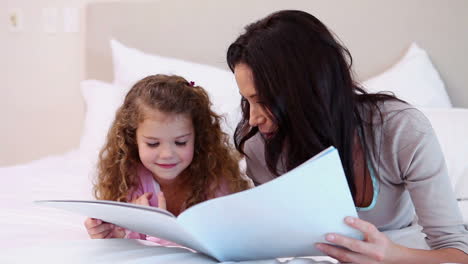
column 214, row 162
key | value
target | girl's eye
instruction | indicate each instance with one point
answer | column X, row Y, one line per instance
column 152, row 145
column 181, row 143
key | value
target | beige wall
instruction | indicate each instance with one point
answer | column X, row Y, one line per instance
column 36, row 66
column 41, row 108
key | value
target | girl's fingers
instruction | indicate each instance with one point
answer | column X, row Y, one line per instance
column 148, row 195
column 102, row 235
column 92, row 222
column 100, row 228
column 161, row 201
column 144, row 199
column 109, row 235
column 119, row 232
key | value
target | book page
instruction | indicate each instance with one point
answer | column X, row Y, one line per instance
column 143, row 219
column 281, row 218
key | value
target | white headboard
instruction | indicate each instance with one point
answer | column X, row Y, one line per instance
column 376, row 32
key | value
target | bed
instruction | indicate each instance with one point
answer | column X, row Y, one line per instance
column 181, row 37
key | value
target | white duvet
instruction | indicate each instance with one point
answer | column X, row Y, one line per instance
column 22, row 223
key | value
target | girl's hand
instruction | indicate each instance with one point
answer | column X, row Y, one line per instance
column 143, row 199
column 97, row 229
column 161, row 201
column 375, row 248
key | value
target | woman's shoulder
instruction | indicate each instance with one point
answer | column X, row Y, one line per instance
column 398, row 116
column 399, row 130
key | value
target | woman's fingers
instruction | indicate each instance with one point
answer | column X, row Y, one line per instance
column 371, row 233
column 161, row 201
column 375, row 248
column 342, row 254
column 352, row 244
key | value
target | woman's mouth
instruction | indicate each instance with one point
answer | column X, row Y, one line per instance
column 268, row 135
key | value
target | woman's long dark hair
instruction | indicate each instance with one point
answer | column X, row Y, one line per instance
column 303, row 76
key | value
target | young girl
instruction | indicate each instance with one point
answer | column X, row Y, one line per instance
column 164, row 149
column 299, row 97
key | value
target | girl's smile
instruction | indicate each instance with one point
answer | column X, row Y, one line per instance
column 167, row 166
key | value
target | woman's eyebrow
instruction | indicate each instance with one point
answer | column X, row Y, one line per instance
column 252, row 96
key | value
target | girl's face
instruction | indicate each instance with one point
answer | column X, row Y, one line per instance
column 259, row 116
column 165, row 144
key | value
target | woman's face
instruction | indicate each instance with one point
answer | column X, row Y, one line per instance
column 259, row 116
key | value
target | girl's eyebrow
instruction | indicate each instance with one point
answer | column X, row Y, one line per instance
column 188, row 134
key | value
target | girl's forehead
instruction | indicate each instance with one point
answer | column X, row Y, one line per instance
column 164, row 117
column 158, row 123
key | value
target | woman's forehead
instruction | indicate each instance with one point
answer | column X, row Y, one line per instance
column 244, row 79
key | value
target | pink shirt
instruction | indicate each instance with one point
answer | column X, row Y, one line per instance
column 148, row 184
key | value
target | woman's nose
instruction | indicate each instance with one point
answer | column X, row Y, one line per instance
column 256, row 117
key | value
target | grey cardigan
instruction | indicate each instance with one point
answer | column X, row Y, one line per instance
column 411, row 173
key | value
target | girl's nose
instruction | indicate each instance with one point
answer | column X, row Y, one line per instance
column 166, row 152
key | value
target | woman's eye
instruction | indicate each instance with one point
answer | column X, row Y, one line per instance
column 178, row 143
column 152, row 145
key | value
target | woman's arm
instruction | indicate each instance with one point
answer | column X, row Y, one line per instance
column 422, row 170
column 434, row 256
column 378, row 248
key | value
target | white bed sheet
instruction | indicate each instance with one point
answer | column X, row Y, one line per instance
column 55, row 177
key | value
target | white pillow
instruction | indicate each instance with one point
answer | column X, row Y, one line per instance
column 451, row 128
column 413, row 79
column 131, row 65
column 102, row 101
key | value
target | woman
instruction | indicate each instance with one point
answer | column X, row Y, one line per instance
column 299, row 97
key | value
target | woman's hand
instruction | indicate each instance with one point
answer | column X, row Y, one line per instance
column 97, row 229
column 375, row 248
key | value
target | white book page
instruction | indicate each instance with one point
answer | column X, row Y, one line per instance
column 143, row 219
column 281, row 218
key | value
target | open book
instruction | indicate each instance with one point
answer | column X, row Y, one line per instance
column 281, row 218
